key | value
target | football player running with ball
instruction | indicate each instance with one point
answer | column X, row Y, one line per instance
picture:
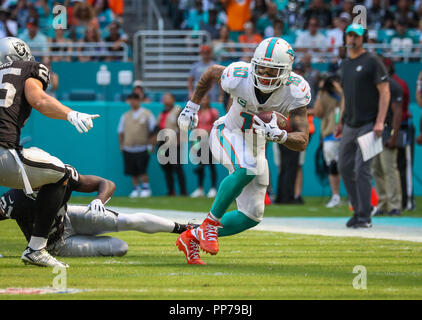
column 265, row 84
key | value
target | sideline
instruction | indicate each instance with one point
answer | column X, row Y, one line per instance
column 392, row 228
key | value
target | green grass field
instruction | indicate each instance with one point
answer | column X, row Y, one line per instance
column 251, row 265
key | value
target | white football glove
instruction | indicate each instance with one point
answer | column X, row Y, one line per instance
column 82, row 121
column 188, row 118
column 96, row 207
column 270, row 130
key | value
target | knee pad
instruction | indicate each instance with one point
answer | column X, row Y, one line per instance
column 118, row 247
column 332, row 168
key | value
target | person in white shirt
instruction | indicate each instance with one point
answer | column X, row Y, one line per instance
column 335, row 35
column 35, row 39
column 312, row 40
column 8, row 27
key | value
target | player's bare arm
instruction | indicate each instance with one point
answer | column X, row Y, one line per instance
column 298, row 139
column 188, row 118
column 104, row 187
column 52, row 108
column 41, row 101
column 208, row 78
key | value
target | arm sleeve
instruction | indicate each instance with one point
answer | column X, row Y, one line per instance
column 74, row 180
column 233, row 75
column 40, row 72
column 121, row 127
column 380, row 72
column 301, row 94
column 396, row 93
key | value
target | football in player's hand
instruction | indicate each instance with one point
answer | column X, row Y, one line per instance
column 282, row 121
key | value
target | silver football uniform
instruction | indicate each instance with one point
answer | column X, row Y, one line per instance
column 81, row 230
column 14, row 49
column 29, row 168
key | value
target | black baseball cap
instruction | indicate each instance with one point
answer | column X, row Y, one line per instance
column 133, row 95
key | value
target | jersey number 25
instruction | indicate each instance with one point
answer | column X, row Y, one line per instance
column 10, row 88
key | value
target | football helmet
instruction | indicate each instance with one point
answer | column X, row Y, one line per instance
column 274, row 53
column 14, row 49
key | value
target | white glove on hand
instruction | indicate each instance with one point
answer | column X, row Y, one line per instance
column 96, row 207
column 188, row 118
column 271, row 130
column 82, row 121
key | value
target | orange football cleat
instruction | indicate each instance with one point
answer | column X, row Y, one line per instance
column 208, row 235
column 187, row 243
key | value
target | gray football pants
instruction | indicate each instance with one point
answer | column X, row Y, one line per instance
column 355, row 172
column 38, row 166
column 81, row 232
column 80, row 238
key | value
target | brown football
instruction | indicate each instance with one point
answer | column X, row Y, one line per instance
column 282, row 121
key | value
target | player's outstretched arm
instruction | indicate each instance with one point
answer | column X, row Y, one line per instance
column 298, row 139
column 52, row 108
column 105, row 188
column 188, row 118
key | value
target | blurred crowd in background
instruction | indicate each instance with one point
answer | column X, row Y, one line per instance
column 94, row 21
column 303, row 23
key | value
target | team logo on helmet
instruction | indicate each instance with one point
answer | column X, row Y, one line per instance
column 20, row 48
column 291, row 53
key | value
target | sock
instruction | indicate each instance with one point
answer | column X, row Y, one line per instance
column 178, row 228
column 144, row 222
column 145, row 186
column 212, row 217
column 230, row 188
column 37, row 243
column 49, row 200
column 234, row 222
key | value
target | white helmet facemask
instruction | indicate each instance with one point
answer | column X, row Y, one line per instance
column 271, row 64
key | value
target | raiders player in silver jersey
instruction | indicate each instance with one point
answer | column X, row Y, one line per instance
column 75, row 230
column 23, row 82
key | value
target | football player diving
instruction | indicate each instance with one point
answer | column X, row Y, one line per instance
column 75, row 230
column 265, row 84
column 23, row 82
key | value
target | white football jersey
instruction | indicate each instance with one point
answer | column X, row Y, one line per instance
column 237, row 80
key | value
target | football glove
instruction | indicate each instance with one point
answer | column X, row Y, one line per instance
column 96, row 207
column 270, row 130
column 82, row 121
column 188, row 118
